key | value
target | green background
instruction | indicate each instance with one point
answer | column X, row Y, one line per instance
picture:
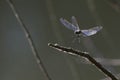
column 42, row 20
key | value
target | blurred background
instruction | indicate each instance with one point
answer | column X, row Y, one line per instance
column 42, row 20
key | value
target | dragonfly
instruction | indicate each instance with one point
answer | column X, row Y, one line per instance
column 75, row 27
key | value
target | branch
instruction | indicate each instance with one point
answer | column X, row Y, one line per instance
column 30, row 41
column 85, row 55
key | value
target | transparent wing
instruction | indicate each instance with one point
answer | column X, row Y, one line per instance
column 68, row 24
column 91, row 31
column 74, row 22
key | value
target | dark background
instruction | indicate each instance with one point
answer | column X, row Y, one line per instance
column 42, row 20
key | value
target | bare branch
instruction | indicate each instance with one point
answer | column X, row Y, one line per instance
column 85, row 55
column 30, row 41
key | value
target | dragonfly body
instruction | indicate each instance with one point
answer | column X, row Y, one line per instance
column 75, row 27
column 78, row 32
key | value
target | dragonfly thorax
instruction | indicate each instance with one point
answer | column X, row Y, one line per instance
column 78, row 32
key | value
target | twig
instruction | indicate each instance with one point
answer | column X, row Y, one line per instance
column 30, row 41
column 85, row 55
column 117, row 75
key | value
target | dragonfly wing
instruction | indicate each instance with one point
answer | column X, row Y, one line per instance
column 74, row 22
column 91, row 31
column 68, row 24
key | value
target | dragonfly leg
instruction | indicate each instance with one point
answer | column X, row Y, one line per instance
column 76, row 38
